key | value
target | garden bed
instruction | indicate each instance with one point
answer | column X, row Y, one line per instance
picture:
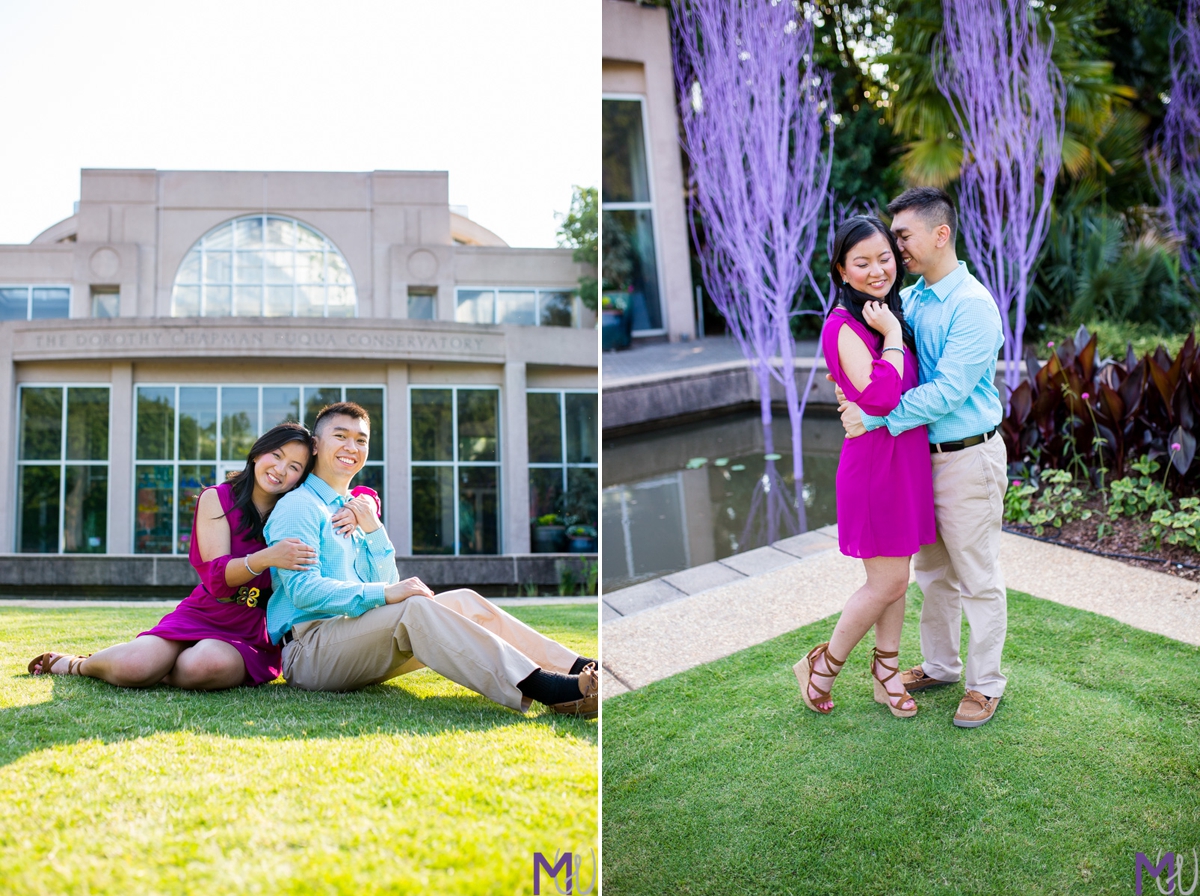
column 1123, row 540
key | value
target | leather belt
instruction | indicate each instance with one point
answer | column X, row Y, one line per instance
column 944, row 447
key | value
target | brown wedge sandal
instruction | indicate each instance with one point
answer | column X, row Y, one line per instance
column 882, row 695
column 804, row 673
column 47, row 660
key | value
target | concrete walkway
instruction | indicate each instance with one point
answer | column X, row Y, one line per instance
column 660, row 628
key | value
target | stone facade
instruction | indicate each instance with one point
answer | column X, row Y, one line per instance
column 396, row 232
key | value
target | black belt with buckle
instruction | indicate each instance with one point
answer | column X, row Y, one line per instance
column 943, row 447
column 287, row 638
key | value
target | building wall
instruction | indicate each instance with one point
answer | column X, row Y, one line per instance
column 637, row 60
column 395, row 229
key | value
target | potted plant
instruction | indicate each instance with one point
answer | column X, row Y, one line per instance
column 549, row 534
column 581, row 539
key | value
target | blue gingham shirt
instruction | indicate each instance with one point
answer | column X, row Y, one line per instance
column 352, row 572
column 959, row 334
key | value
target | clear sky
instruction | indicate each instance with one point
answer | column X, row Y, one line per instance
column 503, row 95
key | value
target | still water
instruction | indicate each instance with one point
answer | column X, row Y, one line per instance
column 686, row 495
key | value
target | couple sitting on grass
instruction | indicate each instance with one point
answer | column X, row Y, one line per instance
column 324, row 604
column 923, row 469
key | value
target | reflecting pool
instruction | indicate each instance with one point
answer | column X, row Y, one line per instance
column 690, row 494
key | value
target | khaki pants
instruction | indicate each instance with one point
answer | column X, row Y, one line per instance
column 960, row 573
column 457, row 634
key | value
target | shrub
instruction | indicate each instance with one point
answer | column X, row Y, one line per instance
column 1061, row 502
column 1076, row 412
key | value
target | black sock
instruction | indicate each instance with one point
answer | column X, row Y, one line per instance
column 577, row 666
column 550, row 687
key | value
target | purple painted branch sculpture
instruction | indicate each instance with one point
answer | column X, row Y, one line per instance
column 757, row 131
column 1009, row 101
column 1176, row 165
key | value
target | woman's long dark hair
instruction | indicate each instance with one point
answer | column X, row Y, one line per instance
column 243, row 482
column 849, row 235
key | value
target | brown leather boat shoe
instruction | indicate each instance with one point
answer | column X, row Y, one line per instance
column 915, row 679
column 975, row 710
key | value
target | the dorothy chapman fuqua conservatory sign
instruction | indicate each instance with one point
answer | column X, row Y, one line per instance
column 155, row 339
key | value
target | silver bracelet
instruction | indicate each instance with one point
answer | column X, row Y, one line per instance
column 893, row 348
column 249, row 569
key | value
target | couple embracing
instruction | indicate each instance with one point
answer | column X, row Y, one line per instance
column 297, row 575
column 923, row 469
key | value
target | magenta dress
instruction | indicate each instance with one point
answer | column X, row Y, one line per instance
column 884, row 482
column 237, row 616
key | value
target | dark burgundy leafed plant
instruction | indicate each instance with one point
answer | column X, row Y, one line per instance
column 1077, row 409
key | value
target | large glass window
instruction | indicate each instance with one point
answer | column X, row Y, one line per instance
column 630, row 265
column 190, row 437
column 264, row 266
column 455, row 469
column 524, row 307
column 62, row 469
column 34, row 302
column 562, row 455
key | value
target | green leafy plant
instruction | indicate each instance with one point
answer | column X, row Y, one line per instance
column 1018, row 502
column 1133, row 495
column 1061, row 502
column 1181, row 527
column 591, row 577
column 548, row 519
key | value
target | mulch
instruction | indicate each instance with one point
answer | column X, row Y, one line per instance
column 1124, row 541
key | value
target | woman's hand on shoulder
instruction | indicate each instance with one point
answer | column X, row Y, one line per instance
column 879, row 317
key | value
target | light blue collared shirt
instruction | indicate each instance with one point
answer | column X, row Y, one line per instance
column 959, row 334
column 352, row 573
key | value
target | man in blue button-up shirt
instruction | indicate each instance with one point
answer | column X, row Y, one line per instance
column 959, row 334
column 351, row 621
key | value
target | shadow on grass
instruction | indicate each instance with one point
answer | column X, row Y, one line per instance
column 718, row 780
column 419, row 704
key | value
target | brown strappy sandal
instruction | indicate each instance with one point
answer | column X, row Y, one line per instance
column 73, row 663
column 804, row 673
column 588, row 704
column 882, row 695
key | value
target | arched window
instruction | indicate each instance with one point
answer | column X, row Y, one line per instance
column 263, row 266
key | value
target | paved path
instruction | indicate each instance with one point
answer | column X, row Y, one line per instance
column 664, row 627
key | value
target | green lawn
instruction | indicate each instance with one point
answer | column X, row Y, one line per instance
column 718, row 780
column 417, row 785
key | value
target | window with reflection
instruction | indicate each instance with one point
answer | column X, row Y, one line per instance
column 563, row 455
column 34, row 302
column 521, row 307
column 630, row 266
column 264, row 266
column 422, row 304
column 190, row 437
column 62, row 469
column 455, row 469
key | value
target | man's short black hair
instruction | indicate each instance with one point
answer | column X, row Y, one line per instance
column 933, row 205
column 343, row 408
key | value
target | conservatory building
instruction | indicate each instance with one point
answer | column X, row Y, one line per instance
column 147, row 340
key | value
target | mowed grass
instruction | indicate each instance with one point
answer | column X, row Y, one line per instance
column 719, row 780
column 416, row 785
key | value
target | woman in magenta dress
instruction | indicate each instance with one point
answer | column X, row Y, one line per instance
column 884, row 482
column 217, row 636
